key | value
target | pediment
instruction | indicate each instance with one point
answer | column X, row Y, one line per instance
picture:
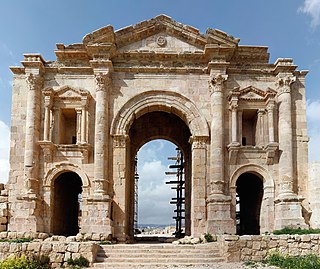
column 161, row 42
column 67, row 92
column 252, row 93
column 145, row 35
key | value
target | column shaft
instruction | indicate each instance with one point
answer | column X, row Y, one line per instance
column 101, row 133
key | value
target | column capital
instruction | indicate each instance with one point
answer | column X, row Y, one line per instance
column 198, row 142
column 34, row 81
column 284, row 84
column 102, row 81
column 120, row 141
column 216, row 82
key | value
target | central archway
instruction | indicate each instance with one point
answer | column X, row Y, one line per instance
column 160, row 125
column 171, row 107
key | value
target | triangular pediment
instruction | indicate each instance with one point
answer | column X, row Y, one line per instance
column 145, row 35
column 251, row 93
column 161, row 42
column 67, row 92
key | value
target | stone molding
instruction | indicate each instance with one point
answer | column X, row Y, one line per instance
column 174, row 102
column 60, row 168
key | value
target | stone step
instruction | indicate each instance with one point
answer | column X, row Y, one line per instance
column 159, row 251
column 104, row 257
column 124, row 265
column 152, row 254
column 159, row 246
column 162, row 260
column 157, row 255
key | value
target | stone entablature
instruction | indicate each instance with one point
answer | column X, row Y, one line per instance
column 76, row 117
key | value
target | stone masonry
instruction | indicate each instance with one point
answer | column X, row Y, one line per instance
column 78, row 121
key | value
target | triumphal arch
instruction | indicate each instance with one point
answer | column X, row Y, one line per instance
column 78, row 122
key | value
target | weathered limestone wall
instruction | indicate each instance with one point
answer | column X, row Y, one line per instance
column 57, row 251
column 257, row 247
column 3, row 208
column 314, row 194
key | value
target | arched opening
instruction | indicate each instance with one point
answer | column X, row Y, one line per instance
column 67, row 204
column 155, row 199
column 167, row 126
column 249, row 198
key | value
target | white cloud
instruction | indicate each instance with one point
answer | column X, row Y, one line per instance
column 312, row 8
column 154, row 195
column 4, row 152
column 313, row 118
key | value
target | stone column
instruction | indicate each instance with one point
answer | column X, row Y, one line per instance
column 103, row 82
column 198, row 188
column 270, row 109
column 78, row 111
column 35, row 83
column 47, row 117
column 260, row 127
column 285, row 136
column 288, row 205
column 240, row 126
column 218, row 204
column 84, row 124
column 217, row 146
column 234, row 122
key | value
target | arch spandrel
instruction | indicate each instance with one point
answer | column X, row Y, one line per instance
column 160, row 101
column 60, row 168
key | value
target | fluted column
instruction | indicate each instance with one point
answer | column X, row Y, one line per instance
column 217, row 134
column 35, row 83
column 285, row 136
column 103, row 85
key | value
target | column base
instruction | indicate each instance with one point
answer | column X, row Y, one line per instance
column 28, row 217
column 219, row 215
column 97, row 216
column 288, row 212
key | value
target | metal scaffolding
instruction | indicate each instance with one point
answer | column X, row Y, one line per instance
column 179, row 186
column 136, row 181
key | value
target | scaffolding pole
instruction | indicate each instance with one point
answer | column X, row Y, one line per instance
column 179, row 186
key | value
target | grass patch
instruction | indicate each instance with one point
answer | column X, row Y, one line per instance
column 288, row 230
column 208, row 237
column 24, row 262
column 310, row 261
column 105, row 243
column 77, row 263
column 18, row 240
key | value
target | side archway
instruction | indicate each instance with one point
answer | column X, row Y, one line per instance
column 55, row 183
column 267, row 203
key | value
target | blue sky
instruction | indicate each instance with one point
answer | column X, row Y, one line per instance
column 290, row 28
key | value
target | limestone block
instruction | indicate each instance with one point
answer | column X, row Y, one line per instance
column 73, row 247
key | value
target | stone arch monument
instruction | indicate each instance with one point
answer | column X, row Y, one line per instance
column 81, row 118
